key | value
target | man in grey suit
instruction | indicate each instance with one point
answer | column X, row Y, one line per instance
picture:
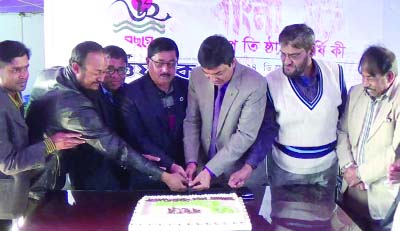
column 16, row 154
column 226, row 103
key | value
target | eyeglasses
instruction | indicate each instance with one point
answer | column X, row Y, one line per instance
column 159, row 64
column 293, row 56
column 121, row 70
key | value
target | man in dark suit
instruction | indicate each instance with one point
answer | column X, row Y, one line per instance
column 152, row 111
column 17, row 156
column 114, row 79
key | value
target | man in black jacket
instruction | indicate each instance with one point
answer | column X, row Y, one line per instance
column 152, row 111
column 68, row 99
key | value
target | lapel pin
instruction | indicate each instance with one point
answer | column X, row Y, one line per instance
column 181, row 98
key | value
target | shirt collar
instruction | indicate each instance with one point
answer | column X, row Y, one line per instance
column 224, row 86
column 104, row 90
column 385, row 95
column 16, row 101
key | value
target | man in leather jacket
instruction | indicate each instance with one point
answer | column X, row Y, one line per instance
column 68, row 99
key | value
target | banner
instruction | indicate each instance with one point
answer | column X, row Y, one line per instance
column 252, row 27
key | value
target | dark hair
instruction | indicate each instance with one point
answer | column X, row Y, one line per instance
column 116, row 52
column 297, row 35
column 378, row 60
column 12, row 49
column 162, row 44
column 81, row 50
column 214, row 51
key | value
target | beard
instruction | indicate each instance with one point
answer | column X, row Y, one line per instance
column 298, row 69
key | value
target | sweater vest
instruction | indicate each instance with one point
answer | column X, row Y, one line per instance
column 307, row 129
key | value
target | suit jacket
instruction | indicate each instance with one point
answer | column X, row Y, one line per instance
column 381, row 146
column 144, row 120
column 16, row 158
column 58, row 101
column 240, row 118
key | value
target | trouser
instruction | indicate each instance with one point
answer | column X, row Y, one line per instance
column 280, row 177
column 5, row 224
column 388, row 221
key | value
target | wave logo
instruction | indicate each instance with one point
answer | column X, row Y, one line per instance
column 143, row 18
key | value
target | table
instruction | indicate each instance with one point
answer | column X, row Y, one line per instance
column 294, row 207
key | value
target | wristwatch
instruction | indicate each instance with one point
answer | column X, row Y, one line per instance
column 358, row 174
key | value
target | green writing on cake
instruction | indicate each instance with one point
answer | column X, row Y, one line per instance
column 213, row 206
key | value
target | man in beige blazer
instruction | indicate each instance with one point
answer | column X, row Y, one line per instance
column 368, row 139
column 226, row 103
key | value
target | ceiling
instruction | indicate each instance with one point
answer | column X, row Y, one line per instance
column 19, row 6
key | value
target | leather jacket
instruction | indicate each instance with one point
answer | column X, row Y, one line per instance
column 58, row 103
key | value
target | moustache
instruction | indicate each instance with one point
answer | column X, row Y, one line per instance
column 165, row 75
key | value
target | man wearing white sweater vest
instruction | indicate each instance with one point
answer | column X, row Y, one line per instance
column 308, row 96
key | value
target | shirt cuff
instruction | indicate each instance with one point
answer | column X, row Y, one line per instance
column 191, row 162
column 346, row 166
column 209, row 171
column 50, row 146
column 252, row 165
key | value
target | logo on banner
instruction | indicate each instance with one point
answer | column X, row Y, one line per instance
column 143, row 16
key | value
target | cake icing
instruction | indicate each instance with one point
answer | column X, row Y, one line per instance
column 208, row 212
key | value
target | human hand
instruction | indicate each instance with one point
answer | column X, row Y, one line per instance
column 202, row 181
column 238, row 178
column 190, row 171
column 66, row 140
column 350, row 176
column 179, row 170
column 361, row 186
column 151, row 157
column 174, row 181
column 154, row 159
column 394, row 172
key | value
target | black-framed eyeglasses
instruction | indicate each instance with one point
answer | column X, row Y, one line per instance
column 121, row 70
column 159, row 64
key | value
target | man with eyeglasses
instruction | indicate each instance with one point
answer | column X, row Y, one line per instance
column 114, row 79
column 152, row 110
column 70, row 100
column 308, row 96
column 226, row 103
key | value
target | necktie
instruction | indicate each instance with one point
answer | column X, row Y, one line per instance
column 110, row 97
column 217, row 108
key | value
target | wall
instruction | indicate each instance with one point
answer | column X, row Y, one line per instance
column 391, row 26
column 28, row 29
